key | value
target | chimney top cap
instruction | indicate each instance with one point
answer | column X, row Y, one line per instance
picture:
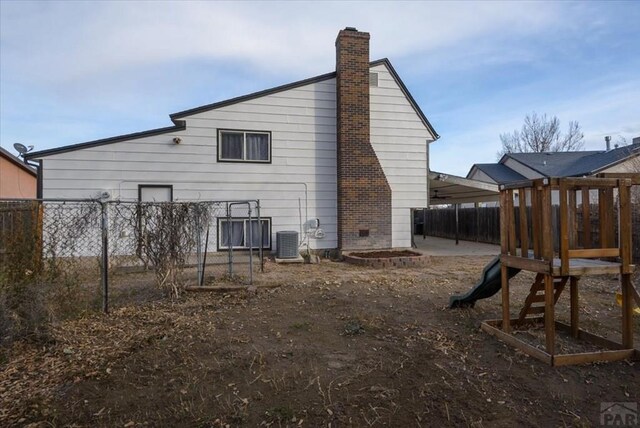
column 350, row 29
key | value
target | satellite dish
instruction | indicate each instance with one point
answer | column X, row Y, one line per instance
column 22, row 149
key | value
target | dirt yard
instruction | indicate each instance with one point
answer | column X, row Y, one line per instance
column 333, row 345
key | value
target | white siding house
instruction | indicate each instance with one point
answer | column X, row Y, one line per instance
column 298, row 181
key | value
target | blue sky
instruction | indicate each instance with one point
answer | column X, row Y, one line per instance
column 76, row 71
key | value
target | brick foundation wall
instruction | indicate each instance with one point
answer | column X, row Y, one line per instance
column 364, row 195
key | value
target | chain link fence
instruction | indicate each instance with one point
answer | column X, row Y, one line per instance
column 72, row 256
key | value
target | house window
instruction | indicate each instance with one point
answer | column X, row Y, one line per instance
column 236, row 231
column 155, row 193
column 244, row 146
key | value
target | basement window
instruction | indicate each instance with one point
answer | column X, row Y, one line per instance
column 244, row 146
column 236, row 231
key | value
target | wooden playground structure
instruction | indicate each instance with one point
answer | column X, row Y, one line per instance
column 528, row 233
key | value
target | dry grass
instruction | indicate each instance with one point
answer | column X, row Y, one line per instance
column 334, row 345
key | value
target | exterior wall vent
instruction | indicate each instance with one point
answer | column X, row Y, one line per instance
column 373, row 79
column 287, row 244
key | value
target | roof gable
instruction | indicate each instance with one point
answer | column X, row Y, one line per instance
column 407, row 94
column 177, row 117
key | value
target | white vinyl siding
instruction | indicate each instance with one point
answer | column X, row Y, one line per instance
column 298, row 184
column 399, row 139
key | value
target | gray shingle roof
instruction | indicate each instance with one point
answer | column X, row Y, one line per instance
column 571, row 164
column 499, row 173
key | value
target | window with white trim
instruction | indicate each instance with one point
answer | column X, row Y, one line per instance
column 244, row 146
column 236, row 231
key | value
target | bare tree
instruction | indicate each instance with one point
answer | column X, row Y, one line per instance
column 542, row 134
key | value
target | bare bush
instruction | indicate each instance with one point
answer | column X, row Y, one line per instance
column 165, row 235
column 54, row 264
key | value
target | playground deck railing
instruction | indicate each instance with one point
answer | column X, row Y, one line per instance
column 527, row 235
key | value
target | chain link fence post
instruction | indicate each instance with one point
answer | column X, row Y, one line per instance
column 250, row 246
column 260, row 248
column 105, row 258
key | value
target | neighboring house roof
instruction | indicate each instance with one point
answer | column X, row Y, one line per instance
column 178, row 117
column 17, row 161
column 499, row 173
column 557, row 164
column 571, row 164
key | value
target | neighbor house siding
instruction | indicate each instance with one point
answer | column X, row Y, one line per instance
column 16, row 182
column 302, row 122
column 481, row 176
column 399, row 139
column 522, row 169
column 630, row 165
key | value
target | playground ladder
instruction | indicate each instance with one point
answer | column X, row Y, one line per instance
column 534, row 297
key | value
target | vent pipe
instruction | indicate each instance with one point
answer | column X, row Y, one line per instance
column 607, row 140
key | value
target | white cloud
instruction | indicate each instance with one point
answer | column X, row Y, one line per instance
column 112, row 57
column 67, row 41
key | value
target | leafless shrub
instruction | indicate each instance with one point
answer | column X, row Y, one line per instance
column 165, row 235
column 52, row 256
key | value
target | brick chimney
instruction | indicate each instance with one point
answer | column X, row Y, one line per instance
column 364, row 195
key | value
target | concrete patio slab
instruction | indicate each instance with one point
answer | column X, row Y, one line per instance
column 447, row 247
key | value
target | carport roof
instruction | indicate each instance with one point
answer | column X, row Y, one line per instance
column 451, row 189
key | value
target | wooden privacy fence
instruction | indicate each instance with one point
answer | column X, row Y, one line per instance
column 482, row 224
column 20, row 230
column 474, row 224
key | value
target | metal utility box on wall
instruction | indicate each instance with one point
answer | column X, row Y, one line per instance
column 287, row 244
